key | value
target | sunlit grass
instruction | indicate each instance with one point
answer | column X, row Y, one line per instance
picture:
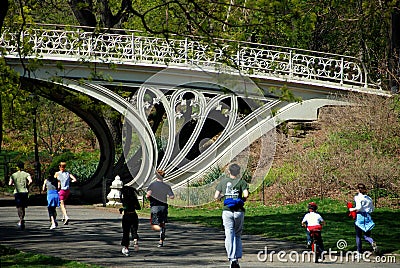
column 284, row 222
column 10, row 257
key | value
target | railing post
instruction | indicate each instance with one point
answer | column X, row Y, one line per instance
column 35, row 42
column 341, row 71
column 186, row 51
column 133, row 45
column 141, row 48
column 238, row 61
column 290, row 64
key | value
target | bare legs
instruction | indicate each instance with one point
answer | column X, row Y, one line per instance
column 64, row 211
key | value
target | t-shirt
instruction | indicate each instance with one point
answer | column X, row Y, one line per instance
column 51, row 184
column 232, row 188
column 64, row 179
column 159, row 192
column 364, row 203
column 20, row 179
column 312, row 219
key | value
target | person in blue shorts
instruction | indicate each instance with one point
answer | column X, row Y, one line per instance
column 53, row 199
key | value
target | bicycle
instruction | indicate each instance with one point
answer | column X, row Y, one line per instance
column 316, row 244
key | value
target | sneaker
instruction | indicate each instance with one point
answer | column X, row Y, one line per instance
column 135, row 245
column 125, row 251
column 66, row 221
column 374, row 247
column 358, row 257
column 160, row 244
column 53, row 226
column 21, row 225
column 308, row 246
column 235, row 264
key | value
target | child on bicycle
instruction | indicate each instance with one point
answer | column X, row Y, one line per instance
column 313, row 221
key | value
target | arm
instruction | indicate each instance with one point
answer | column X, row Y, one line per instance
column 11, row 182
column 73, row 179
column 171, row 194
column 217, row 195
column 148, row 194
column 357, row 207
column 44, row 185
column 29, row 178
column 245, row 194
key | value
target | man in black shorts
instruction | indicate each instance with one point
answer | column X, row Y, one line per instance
column 157, row 193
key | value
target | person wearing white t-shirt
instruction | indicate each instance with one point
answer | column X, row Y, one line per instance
column 364, row 207
column 313, row 221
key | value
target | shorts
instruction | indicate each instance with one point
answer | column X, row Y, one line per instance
column 21, row 200
column 53, row 198
column 158, row 214
column 64, row 194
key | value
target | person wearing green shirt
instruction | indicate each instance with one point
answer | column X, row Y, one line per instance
column 21, row 180
column 234, row 191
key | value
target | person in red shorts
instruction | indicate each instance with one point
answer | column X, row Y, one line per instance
column 64, row 178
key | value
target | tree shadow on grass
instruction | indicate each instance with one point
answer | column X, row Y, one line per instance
column 339, row 226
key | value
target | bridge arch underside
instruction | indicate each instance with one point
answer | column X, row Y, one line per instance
column 67, row 98
column 202, row 124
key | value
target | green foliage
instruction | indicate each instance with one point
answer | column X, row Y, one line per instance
column 212, row 175
column 84, row 169
column 81, row 165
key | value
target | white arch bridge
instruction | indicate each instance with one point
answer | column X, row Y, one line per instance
column 189, row 106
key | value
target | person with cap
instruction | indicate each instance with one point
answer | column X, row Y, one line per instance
column 313, row 222
column 157, row 193
column 21, row 180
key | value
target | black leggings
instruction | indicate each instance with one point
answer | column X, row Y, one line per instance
column 52, row 212
column 130, row 225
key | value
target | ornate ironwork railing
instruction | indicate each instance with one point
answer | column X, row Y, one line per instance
column 129, row 47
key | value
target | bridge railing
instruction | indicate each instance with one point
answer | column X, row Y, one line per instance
column 129, row 47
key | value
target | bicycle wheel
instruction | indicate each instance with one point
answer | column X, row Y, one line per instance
column 315, row 250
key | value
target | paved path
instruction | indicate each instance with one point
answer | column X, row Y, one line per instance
column 93, row 236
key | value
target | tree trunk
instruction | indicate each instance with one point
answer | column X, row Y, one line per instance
column 394, row 56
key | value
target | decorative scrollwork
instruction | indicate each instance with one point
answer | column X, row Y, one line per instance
column 251, row 59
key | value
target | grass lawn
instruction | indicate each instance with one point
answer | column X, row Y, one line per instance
column 10, row 257
column 283, row 222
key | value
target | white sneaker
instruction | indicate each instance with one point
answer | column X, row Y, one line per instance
column 125, row 251
column 374, row 247
column 358, row 257
column 53, row 226
column 135, row 245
